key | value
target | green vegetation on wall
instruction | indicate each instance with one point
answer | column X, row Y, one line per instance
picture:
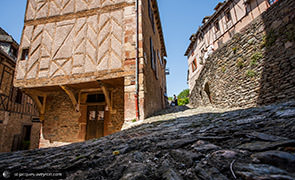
column 240, row 63
column 250, row 73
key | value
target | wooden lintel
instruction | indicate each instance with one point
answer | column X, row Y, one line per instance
column 90, row 90
column 72, row 97
column 35, row 92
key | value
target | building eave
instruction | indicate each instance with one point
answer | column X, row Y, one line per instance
column 212, row 17
column 159, row 26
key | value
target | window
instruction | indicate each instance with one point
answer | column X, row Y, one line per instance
column 95, row 98
column 151, row 15
column 194, row 65
column 227, row 16
column 19, row 96
column 25, row 54
column 271, row 2
column 160, row 58
column 13, row 53
column 201, row 37
column 216, row 25
column 152, row 53
column 155, row 64
column 153, row 57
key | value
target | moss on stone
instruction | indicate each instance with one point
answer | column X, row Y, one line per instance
column 240, row 63
column 223, row 69
column 250, row 73
column 234, row 50
column 271, row 38
column 255, row 57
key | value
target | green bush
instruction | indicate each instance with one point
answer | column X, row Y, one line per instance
column 183, row 94
column 182, row 102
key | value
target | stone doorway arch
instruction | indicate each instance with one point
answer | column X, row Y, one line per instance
column 208, row 92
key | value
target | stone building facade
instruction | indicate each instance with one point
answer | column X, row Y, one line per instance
column 19, row 129
column 91, row 66
column 229, row 18
column 256, row 67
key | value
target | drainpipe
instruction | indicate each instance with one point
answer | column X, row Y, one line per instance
column 136, row 59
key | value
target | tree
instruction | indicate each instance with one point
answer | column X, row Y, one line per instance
column 183, row 97
column 183, row 94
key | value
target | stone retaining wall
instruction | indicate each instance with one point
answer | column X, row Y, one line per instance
column 256, row 67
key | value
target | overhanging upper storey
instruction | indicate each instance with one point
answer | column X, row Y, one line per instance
column 73, row 41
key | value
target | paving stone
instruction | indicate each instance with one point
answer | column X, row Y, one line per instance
column 176, row 149
column 279, row 159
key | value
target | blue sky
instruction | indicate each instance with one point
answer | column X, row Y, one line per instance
column 179, row 20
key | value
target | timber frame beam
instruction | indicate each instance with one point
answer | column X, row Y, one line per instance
column 106, row 94
column 40, row 102
column 71, row 95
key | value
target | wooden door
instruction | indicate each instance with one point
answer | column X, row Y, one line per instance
column 95, row 122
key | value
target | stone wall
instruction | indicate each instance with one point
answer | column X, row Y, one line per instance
column 256, row 67
column 117, row 116
column 13, row 125
column 61, row 123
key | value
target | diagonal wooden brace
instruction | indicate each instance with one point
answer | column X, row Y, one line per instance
column 41, row 105
column 106, row 94
column 71, row 95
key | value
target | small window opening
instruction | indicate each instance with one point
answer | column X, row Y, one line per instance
column 19, row 96
column 216, row 25
column 194, row 65
column 207, row 90
column 228, row 16
column 95, row 98
column 25, row 54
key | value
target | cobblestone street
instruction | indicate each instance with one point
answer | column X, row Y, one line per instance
column 179, row 143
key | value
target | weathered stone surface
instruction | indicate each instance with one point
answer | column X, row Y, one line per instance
column 262, row 145
column 165, row 147
column 256, row 67
column 277, row 158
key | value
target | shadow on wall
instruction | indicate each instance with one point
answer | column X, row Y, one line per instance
column 277, row 81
